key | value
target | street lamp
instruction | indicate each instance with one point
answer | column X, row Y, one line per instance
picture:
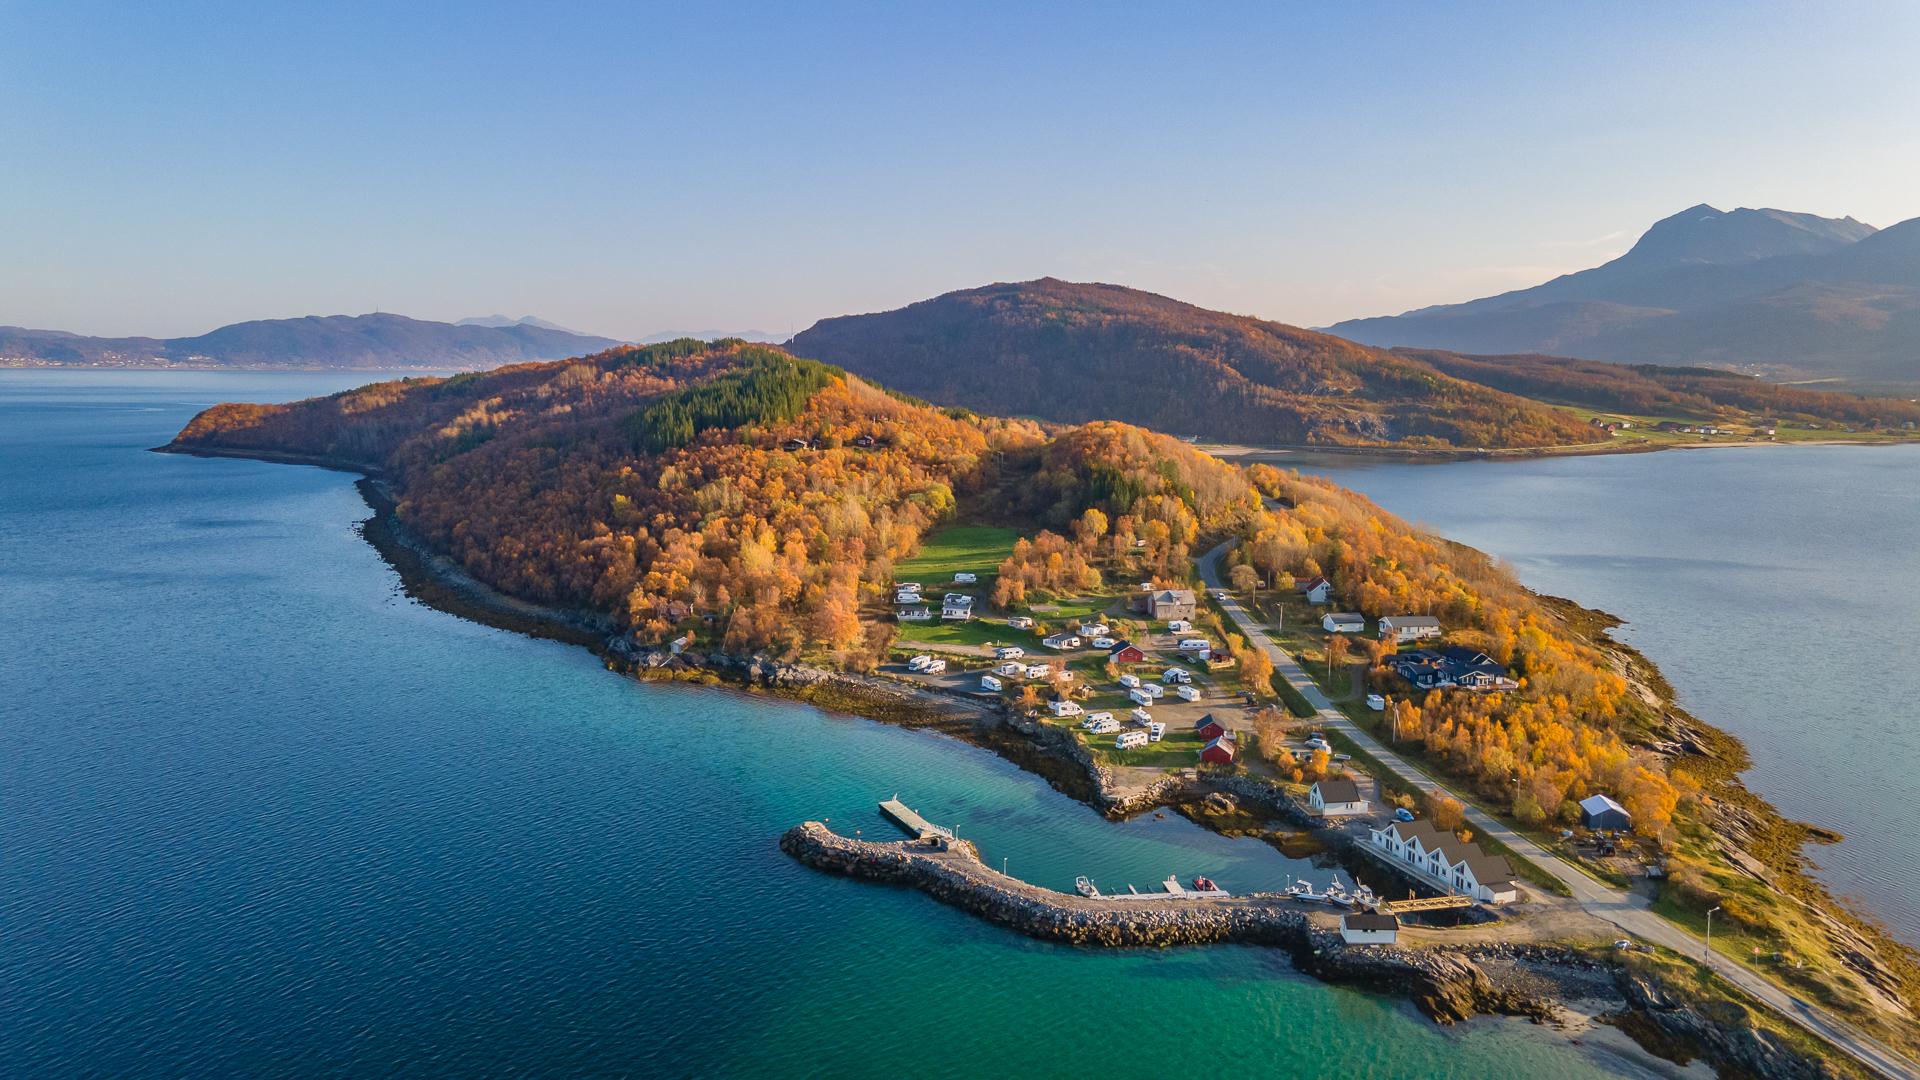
column 1709, row 952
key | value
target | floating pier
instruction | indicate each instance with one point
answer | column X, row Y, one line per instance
column 916, row 826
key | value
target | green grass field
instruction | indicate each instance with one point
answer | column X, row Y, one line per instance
column 982, row 631
column 978, row 548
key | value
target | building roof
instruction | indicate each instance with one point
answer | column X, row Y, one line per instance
column 1489, row 869
column 1120, row 646
column 1367, row 920
column 1206, row 720
column 1345, row 616
column 1595, row 804
column 1340, row 790
column 1411, row 620
column 1224, row 742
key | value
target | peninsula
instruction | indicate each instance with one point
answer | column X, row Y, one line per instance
column 1147, row 626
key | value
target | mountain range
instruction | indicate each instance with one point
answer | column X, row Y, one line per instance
column 1769, row 292
column 378, row 340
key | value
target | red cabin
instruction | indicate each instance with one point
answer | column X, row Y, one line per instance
column 1127, row 653
column 1209, row 728
column 1218, row 752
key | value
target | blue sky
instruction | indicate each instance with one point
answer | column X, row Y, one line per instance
column 166, row 168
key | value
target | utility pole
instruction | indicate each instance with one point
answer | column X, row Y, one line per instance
column 1709, row 952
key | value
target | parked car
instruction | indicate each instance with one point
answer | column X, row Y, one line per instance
column 1403, row 814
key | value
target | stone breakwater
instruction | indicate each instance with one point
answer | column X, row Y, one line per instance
column 1446, row 986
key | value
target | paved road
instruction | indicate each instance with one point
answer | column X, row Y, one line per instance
column 1625, row 910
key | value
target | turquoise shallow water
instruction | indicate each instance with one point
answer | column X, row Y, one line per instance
column 261, row 815
column 1778, row 588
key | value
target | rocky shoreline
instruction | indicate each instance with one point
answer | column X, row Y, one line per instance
column 1448, row 983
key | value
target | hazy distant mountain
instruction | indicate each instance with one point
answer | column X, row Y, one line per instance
column 766, row 336
column 1760, row 290
column 318, row 341
column 1071, row 352
column 524, row 320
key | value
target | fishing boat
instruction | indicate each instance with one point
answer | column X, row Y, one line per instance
column 1085, row 887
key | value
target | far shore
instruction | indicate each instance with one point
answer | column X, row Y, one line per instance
column 1287, row 454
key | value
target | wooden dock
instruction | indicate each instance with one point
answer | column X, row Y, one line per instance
column 1428, row 903
column 916, row 826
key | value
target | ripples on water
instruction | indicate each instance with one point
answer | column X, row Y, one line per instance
column 262, row 816
column 1778, row 589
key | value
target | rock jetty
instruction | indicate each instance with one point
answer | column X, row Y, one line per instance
column 1446, row 986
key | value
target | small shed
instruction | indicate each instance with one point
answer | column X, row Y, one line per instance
column 1334, row 797
column 1600, row 812
column 1127, row 652
column 1317, row 591
column 1209, row 728
column 1219, row 751
column 1369, row 928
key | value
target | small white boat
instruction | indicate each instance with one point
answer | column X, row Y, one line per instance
column 1084, row 886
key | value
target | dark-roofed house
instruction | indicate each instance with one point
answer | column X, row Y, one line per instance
column 1368, row 928
column 1335, row 797
column 1208, row 728
column 1218, row 752
column 1162, row 605
column 1126, row 652
column 1444, row 861
column 1455, row 665
column 1600, row 812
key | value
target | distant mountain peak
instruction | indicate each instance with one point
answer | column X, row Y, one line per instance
column 1757, row 289
column 500, row 321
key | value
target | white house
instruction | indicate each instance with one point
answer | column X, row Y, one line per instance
column 965, row 577
column 957, row 606
column 1064, row 708
column 1317, row 591
column 1140, row 696
column 991, row 682
column 1188, row 693
column 1061, row 641
column 1443, row 861
column 1130, row 740
column 1021, row 622
column 1343, row 622
column 1368, row 928
column 1336, row 797
column 1409, row 627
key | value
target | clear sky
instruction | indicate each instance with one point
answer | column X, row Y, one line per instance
column 624, row 169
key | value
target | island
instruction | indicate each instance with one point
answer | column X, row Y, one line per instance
column 1148, row 627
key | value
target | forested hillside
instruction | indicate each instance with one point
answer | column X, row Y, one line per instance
column 1074, row 353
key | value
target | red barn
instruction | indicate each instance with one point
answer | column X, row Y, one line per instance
column 1218, row 752
column 1127, row 653
column 1209, row 728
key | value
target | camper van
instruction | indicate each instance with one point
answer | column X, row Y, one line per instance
column 1130, row 740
